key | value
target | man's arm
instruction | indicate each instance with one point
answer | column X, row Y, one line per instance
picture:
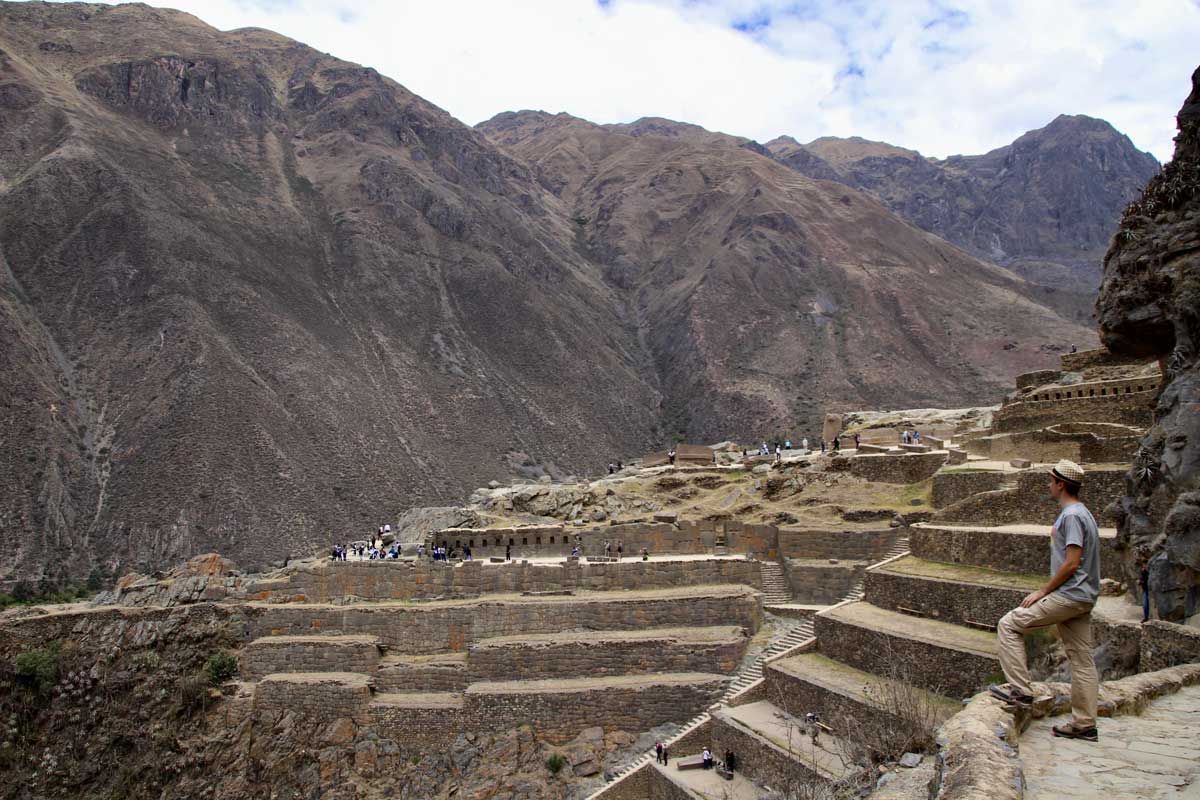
column 1070, row 563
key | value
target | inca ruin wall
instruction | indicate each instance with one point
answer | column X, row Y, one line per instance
column 451, row 626
column 330, row 581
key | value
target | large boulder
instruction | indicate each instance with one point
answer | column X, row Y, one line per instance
column 1149, row 305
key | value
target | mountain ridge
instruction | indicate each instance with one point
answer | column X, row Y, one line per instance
column 259, row 297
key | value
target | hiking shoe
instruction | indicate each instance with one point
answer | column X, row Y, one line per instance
column 1005, row 693
column 1071, row 732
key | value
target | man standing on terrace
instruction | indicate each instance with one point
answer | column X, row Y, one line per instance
column 1065, row 601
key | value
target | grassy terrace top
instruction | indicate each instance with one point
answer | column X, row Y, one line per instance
column 960, row 573
column 680, row 635
column 935, row 632
column 621, row 596
column 595, row 683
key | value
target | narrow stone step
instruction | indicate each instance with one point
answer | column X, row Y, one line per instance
column 954, row 660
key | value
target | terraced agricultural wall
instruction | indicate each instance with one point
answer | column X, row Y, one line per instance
column 438, row 627
column 331, row 581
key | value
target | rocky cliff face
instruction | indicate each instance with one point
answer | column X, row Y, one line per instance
column 254, row 298
column 1150, row 306
column 1043, row 206
column 763, row 296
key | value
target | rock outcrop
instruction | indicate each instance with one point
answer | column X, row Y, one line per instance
column 1150, row 306
column 1042, row 206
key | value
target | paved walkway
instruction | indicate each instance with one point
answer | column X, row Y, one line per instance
column 708, row 784
column 1152, row 756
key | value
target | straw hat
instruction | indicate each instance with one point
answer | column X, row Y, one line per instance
column 1068, row 471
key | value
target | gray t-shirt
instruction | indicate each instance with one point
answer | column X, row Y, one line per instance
column 1076, row 525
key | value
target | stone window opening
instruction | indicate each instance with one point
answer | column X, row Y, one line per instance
column 551, row 540
column 1103, row 392
column 510, row 543
column 470, row 542
column 1057, row 396
column 1128, row 389
column 537, row 540
column 524, row 540
column 1068, row 395
column 1091, row 392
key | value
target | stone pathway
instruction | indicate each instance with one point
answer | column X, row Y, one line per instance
column 1155, row 755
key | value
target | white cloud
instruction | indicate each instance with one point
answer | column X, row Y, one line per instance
column 939, row 77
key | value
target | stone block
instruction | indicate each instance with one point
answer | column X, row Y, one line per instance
column 957, row 456
column 1020, row 463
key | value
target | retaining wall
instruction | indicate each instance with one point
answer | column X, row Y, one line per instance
column 1028, row 554
column 849, row 545
column 559, row 712
column 1123, row 409
column 307, row 654
column 439, row 627
column 1030, row 501
column 897, row 468
column 323, row 697
column 951, row 487
column 600, row 656
column 331, row 581
column 816, row 582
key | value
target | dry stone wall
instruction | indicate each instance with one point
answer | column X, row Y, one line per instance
column 565, row 656
column 452, row 626
column 559, row 710
column 815, row 582
column 324, row 697
column 897, row 468
column 1125, row 409
column 1031, row 502
column 309, row 654
column 332, row 581
column 848, row 545
column 951, row 487
column 1028, row 554
column 419, row 728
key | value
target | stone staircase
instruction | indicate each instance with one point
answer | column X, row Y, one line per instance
column 775, row 586
column 791, row 639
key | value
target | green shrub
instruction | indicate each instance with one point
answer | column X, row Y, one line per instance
column 555, row 763
column 221, row 667
column 38, row 669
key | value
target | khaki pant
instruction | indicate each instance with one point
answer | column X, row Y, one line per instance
column 1074, row 622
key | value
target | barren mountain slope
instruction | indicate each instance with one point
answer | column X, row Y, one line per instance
column 254, row 297
column 764, row 295
column 1044, row 206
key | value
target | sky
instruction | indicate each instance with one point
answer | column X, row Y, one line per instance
column 938, row 76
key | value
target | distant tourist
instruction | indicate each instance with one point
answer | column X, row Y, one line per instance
column 804, row 443
column 334, row 553
column 620, row 466
column 508, row 552
column 575, row 551
column 611, row 468
column 916, row 437
column 620, row 549
column 645, row 554
column 787, row 445
column 778, row 452
column 671, row 456
column 822, row 446
column 706, row 756
column 658, row 748
column 466, row 552
column 666, row 753
column 856, row 441
column 1144, row 585
column 1066, row 602
column 607, row 548
column 837, row 445
column 1074, row 349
